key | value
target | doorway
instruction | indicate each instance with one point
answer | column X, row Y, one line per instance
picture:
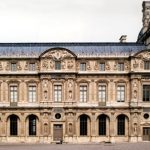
column 146, row 134
column 58, row 132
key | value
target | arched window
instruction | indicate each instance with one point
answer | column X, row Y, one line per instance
column 121, row 125
column 13, row 125
column 83, row 124
column 102, row 124
column 32, row 125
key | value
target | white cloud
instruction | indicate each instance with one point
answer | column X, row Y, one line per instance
column 69, row 20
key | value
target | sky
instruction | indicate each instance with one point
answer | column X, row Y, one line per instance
column 69, row 20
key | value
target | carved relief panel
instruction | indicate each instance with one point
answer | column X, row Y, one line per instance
column 121, row 65
column 1, row 67
column 70, row 86
column 45, row 89
column 65, row 58
column 134, row 87
column 139, row 59
column 135, row 123
column 45, row 117
column 13, row 65
column 104, row 62
column 70, row 123
column 83, row 65
column 32, row 66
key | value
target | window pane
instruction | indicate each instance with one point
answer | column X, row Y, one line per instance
column 146, row 65
column 120, row 66
column 57, row 65
column 121, row 93
column 102, row 66
column 82, row 66
column 13, row 93
column 102, row 93
column 32, row 93
column 13, row 67
column 32, row 67
column 83, row 93
column 32, row 125
column 146, row 92
column 57, row 93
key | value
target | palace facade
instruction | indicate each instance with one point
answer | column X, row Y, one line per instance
column 76, row 92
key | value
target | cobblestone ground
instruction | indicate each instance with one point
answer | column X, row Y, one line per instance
column 120, row 146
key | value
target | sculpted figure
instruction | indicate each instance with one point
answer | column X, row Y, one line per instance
column 45, row 94
column 107, row 66
column 135, row 94
column 70, row 127
column 135, row 128
column 70, row 64
column 1, row 68
column 88, row 66
column 51, row 64
column 18, row 66
column 45, row 64
column 63, row 64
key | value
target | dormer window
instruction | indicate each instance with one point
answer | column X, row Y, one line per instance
column 147, row 65
column 57, row 65
column 82, row 66
column 120, row 66
column 13, row 66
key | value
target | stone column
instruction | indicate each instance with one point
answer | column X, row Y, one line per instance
column 112, row 127
column 3, row 125
column 93, row 127
column 22, row 125
column 21, row 91
column 50, row 91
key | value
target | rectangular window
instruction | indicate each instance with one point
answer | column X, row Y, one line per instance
column 102, row 93
column 120, row 66
column 13, row 93
column 102, row 66
column 32, row 93
column 83, row 93
column 146, row 65
column 13, row 66
column 57, row 65
column 121, row 93
column 82, row 66
column 146, row 93
column 58, row 93
column 31, row 66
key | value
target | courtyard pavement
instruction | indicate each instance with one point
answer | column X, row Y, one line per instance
column 101, row 146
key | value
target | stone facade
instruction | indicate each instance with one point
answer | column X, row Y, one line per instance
column 74, row 92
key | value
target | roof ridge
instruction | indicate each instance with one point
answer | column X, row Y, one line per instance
column 72, row 43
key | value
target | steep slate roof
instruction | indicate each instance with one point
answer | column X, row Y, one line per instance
column 11, row 50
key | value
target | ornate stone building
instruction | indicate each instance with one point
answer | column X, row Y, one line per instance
column 76, row 92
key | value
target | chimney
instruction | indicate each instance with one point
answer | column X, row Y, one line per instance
column 146, row 15
column 123, row 38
